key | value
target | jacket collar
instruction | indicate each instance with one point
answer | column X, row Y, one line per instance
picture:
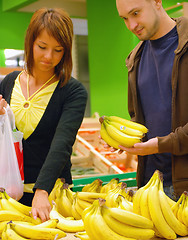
column 182, row 26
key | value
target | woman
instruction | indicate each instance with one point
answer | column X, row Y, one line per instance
column 48, row 105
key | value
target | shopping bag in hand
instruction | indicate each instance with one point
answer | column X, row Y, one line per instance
column 10, row 177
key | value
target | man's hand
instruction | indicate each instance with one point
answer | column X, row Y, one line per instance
column 145, row 148
column 3, row 104
column 40, row 205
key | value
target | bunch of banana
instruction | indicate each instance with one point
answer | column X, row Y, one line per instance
column 65, row 224
column 95, row 186
column 55, row 193
column 17, row 205
column 31, row 231
column 117, row 131
column 112, row 195
column 78, row 206
column 165, row 222
column 102, row 222
column 123, row 203
column 13, row 210
column 64, row 201
column 110, row 185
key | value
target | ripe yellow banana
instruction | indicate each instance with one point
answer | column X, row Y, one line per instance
column 185, row 209
column 176, row 206
column 130, row 195
column 129, row 123
column 63, row 203
column 125, row 229
column 10, row 234
column 74, row 211
column 106, row 137
column 51, row 223
column 130, row 218
column 95, row 186
column 122, row 138
column 110, row 185
column 6, row 215
column 113, row 194
column 123, row 203
column 178, row 227
column 29, row 231
column 180, row 209
column 125, row 129
column 82, row 236
column 83, row 204
column 99, row 228
column 156, row 213
column 90, row 196
column 56, row 190
column 64, row 224
column 138, row 194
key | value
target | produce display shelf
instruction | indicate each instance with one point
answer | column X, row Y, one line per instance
column 128, row 178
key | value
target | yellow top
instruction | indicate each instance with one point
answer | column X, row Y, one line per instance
column 29, row 112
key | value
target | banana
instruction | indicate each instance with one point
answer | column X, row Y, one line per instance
column 176, row 206
column 106, row 137
column 123, row 203
column 29, row 231
column 130, row 195
column 128, row 123
column 10, row 234
column 6, row 215
column 19, row 206
column 156, row 213
column 138, row 194
column 74, row 211
column 110, row 185
column 126, row 230
column 144, row 204
column 55, row 191
column 113, row 194
column 178, row 227
column 185, row 210
column 124, row 128
column 122, row 138
column 90, row 196
column 95, row 186
column 82, row 237
column 64, row 204
column 98, row 227
column 130, row 218
column 180, row 209
column 66, row 224
column 51, row 223
column 83, row 204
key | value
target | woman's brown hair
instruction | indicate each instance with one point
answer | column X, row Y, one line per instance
column 59, row 25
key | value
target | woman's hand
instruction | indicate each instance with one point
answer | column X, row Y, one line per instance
column 40, row 205
column 3, row 104
column 144, row 148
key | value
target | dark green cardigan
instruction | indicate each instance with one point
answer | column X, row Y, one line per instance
column 48, row 149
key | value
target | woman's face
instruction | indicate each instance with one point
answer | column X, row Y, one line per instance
column 47, row 52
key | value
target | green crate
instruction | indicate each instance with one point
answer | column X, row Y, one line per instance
column 128, row 178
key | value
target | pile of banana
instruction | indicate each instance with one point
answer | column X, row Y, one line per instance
column 102, row 222
column 151, row 202
column 99, row 211
column 117, row 131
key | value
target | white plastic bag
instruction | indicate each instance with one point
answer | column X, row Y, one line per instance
column 10, row 177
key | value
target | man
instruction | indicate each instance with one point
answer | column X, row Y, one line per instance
column 158, row 91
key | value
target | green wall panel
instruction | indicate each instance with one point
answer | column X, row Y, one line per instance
column 109, row 44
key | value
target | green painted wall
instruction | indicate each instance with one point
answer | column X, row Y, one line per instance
column 12, row 28
column 109, row 44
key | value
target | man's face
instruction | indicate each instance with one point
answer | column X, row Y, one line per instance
column 141, row 17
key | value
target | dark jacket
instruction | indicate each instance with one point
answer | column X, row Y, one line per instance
column 176, row 142
column 48, row 149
